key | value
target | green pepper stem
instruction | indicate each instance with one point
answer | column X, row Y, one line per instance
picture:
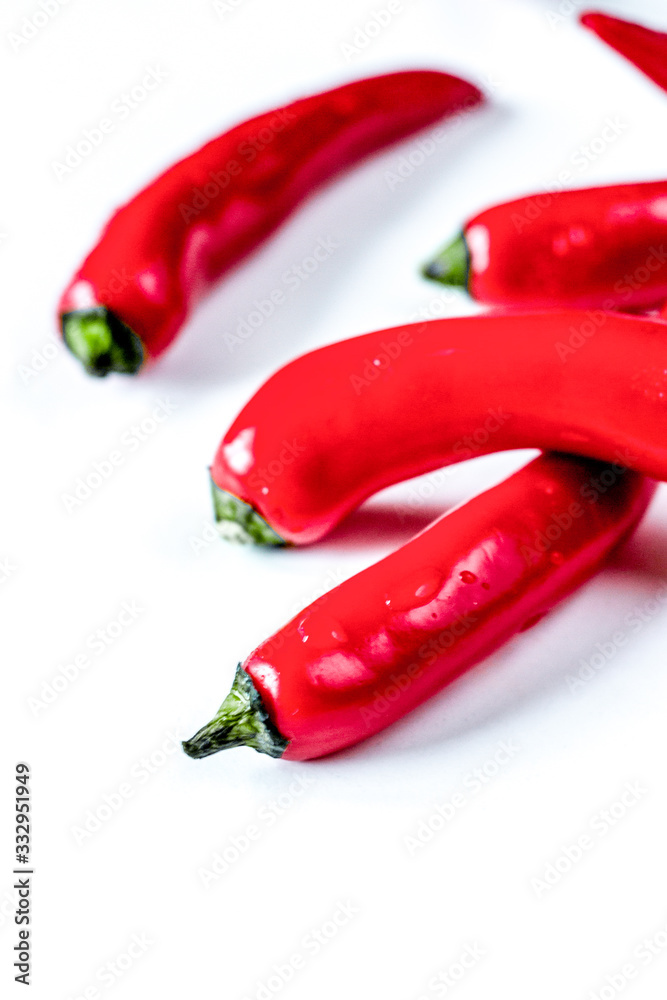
column 102, row 342
column 238, row 521
column 451, row 266
column 241, row 720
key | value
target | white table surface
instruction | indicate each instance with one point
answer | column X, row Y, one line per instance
column 130, row 907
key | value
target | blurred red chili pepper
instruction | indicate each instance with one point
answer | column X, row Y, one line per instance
column 162, row 251
column 379, row 644
column 342, row 422
column 601, row 246
column 646, row 48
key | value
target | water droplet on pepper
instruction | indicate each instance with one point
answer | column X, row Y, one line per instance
column 321, row 630
column 415, row 591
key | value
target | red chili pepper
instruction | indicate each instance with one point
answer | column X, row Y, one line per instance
column 162, row 251
column 379, row 644
column 646, row 48
column 342, row 422
column 601, row 246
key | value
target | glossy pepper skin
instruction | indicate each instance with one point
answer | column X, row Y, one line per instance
column 166, row 248
column 600, row 247
column 342, row 422
column 387, row 639
column 646, row 48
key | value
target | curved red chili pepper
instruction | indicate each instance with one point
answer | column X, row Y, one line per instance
column 646, row 48
column 383, row 641
column 344, row 421
column 378, row 409
column 602, row 246
column 162, row 251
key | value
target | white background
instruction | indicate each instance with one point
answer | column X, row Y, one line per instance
column 203, row 608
